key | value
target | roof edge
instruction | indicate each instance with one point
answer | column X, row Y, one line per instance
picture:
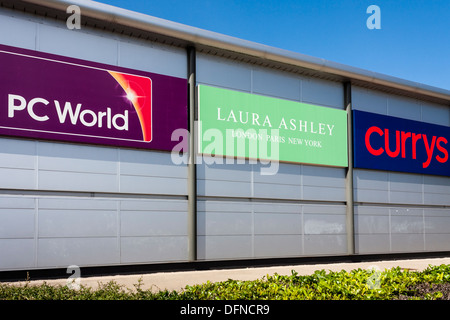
column 193, row 35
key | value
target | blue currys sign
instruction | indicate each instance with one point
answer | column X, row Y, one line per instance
column 395, row 144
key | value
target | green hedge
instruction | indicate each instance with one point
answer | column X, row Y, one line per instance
column 359, row 284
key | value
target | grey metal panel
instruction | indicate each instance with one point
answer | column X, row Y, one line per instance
column 17, row 164
column 389, row 229
column 61, row 223
column 288, row 174
column 76, row 203
column 153, row 230
column 77, row 158
column 377, row 228
column 372, row 210
column 153, row 185
column 277, row 219
column 371, row 224
column 224, row 206
column 277, row 191
column 323, row 193
column 435, row 113
column 24, row 34
column 63, row 218
column 17, row 154
column 371, row 179
column 436, row 212
column 158, row 205
column 407, row 224
column 407, row 242
column 85, row 231
column 437, row 225
column 372, row 243
column 17, row 178
column 436, row 190
column 437, row 229
column 435, row 184
column 10, row 259
column 367, row 195
column 77, row 181
column 153, row 249
column 17, row 223
column 225, row 172
column 322, row 183
column 151, row 57
column 407, row 197
column 436, row 198
column 224, row 223
column 224, row 188
column 224, row 180
column 317, row 244
column 17, row 220
column 402, row 212
column 224, row 218
column 437, row 242
column 77, row 167
column 286, row 183
column 323, row 176
column 324, row 228
column 275, row 245
column 323, row 224
column 152, row 223
column 7, row 202
column 324, row 209
column 276, row 84
column 405, row 182
column 322, row 92
column 148, row 163
column 151, row 172
column 380, row 196
column 221, row 72
column 224, row 247
column 265, row 226
column 63, row 252
column 277, row 207
column 83, row 44
column 369, row 100
column 403, row 107
column 278, row 223
column 371, row 186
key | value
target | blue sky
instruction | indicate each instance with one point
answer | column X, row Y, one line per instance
column 413, row 42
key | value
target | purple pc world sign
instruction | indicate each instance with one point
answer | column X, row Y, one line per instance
column 45, row 96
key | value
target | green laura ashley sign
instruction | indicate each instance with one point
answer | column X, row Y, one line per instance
column 243, row 125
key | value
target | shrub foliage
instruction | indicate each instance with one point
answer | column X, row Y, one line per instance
column 359, row 284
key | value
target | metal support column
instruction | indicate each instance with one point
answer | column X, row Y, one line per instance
column 349, row 173
column 192, row 169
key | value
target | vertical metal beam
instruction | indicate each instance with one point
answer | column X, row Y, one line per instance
column 192, row 168
column 349, row 172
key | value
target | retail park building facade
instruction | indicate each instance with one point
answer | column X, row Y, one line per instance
column 97, row 125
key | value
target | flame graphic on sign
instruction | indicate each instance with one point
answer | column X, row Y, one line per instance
column 138, row 90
